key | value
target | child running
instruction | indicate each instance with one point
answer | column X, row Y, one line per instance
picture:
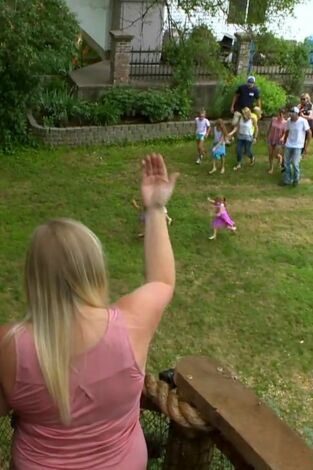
column 222, row 219
column 135, row 204
column 275, row 139
column 202, row 132
column 219, row 148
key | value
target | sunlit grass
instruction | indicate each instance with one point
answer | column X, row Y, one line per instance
column 245, row 299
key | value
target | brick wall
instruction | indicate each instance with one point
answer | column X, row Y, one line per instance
column 120, row 134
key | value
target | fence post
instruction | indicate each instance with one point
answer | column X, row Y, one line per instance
column 120, row 57
column 188, row 449
column 243, row 54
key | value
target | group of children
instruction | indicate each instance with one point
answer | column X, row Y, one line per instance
column 246, row 128
column 247, row 131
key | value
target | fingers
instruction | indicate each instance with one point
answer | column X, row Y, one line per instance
column 160, row 166
column 147, row 166
column 154, row 165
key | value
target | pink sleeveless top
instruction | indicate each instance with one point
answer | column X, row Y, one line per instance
column 105, row 386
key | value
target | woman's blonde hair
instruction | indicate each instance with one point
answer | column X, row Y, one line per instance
column 64, row 270
column 246, row 112
column 306, row 96
column 257, row 111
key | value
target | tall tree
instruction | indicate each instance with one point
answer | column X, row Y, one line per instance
column 36, row 37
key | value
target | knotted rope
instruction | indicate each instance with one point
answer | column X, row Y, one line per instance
column 169, row 402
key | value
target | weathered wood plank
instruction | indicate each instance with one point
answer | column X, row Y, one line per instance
column 253, row 429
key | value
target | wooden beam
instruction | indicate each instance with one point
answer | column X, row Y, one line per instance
column 263, row 440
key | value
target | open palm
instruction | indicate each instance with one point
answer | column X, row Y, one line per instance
column 156, row 186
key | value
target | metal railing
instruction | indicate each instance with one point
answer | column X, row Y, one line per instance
column 277, row 70
column 151, row 65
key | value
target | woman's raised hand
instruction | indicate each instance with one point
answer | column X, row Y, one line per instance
column 156, row 186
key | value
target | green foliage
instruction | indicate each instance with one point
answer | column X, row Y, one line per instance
column 58, row 107
column 124, row 98
column 275, row 9
column 105, row 113
column 181, row 103
column 292, row 100
column 273, row 96
column 156, row 105
column 194, row 49
column 218, row 106
column 290, row 55
column 36, row 37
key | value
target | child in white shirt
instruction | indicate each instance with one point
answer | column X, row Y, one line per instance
column 203, row 128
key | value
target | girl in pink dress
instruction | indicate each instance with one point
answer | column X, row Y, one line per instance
column 275, row 137
column 222, row 219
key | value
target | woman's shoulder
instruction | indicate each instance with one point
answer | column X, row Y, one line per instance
column 7, row 352
column 5, row 338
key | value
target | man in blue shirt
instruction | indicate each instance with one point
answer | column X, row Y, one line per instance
column 247, row 95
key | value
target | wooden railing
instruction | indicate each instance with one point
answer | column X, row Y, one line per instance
column 240, row 425
column 207, row 419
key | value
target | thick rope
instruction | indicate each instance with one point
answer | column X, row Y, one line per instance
column 166, row 398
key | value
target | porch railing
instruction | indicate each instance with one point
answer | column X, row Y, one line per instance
column 150, row 65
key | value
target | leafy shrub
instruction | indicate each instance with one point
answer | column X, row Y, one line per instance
column 58, row 107
column 36, row 37
column 218, row 108
column 156, row 105
column 292, row 100
column 273, row 96
column 106, row 113
column 124, row 98
column 181, row 103
column 198, row 47
column 291, row 55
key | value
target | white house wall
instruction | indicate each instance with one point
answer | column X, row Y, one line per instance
column 147, row 32
column 94, row 17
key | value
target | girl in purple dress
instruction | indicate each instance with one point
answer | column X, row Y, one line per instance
column 222, row 219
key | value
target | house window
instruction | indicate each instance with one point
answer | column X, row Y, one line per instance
column 247, row 11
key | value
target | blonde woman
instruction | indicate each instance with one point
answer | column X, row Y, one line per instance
column 247, row 130
column 306, row 111
column 305, row 106
column 72, row 371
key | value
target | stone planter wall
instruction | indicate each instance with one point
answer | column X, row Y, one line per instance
column 119, row 134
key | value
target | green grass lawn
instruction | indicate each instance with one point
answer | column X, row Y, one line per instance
column 245, row 299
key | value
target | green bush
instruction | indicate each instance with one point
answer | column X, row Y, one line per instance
column 181, row 103
column 292, row 100
column 291, row 55
column 156, row 105
column 36, row 37
column 124, row 98
column 106, row 113
column 273, row 96
column 195, row 48
column 217, row 108
column 58, row 107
